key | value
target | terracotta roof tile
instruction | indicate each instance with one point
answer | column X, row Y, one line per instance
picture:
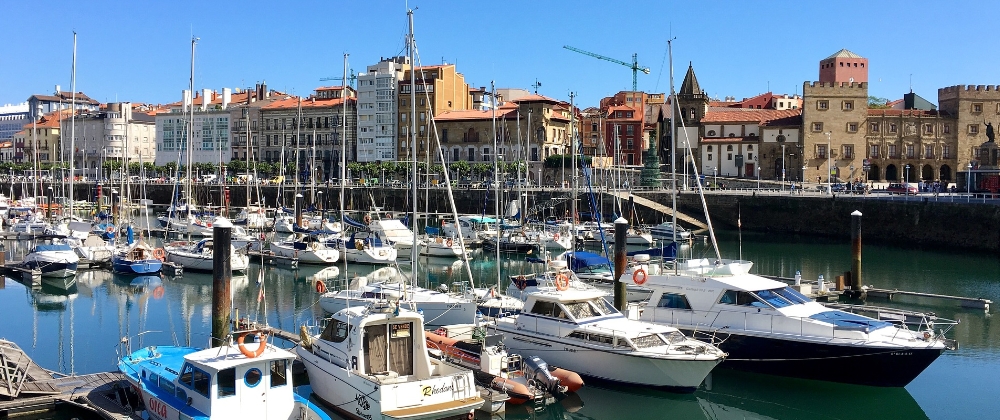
column 761, row 116
column 293, row 102
column 475, row 114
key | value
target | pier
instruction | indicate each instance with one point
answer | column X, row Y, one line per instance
column 662, row 208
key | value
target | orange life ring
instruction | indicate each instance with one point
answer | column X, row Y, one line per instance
column 320, row 286
column 556, row 236
column 639, row 276
column 110, row 229
column 450, row 243
column 562, row 281
column 158, row 292
column 261, row 336
column 159, row 254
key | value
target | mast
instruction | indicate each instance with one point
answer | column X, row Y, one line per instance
column 496, row 177
column 72, row 129
column 295, row 176
column 312, row 165
column 413, row 142
column 572, row 148
column 343, row 163
column 673, row 149
column 190, row 136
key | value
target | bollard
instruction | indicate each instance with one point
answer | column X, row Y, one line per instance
column 222, row 273
column 621, row 234
column 856, row 251
column 798, row 277
column 298, row 210
column 820, row 284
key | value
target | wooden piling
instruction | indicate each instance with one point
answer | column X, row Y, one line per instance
column 222, row 273
column 856, row 250
column 621, row 235
column 298, row 209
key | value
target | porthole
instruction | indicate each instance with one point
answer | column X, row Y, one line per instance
column 252, row 377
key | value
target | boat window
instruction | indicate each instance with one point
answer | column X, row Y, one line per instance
column 596, row 338
column 253, row 377
column 543, row 308
column 792, row 295
column 604, row 306
column 736, row 297
column 773, row 298
column 581, row 310
column 201, row 382
column 181, row 394
column 227, row 382
column 335, row 331
column 676, row 337
column 279, row 373
column 673, row 300
column 647, row 341
column 187, row 372
column 166, row 385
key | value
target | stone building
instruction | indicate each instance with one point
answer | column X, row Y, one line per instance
column 972, row 108
column 317, row 121
column 39, row 105
column 211, row 142
column 40, row 141
column 834, row 118
column 244, row 112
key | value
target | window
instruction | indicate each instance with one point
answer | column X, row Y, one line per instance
column 973, row 128
column 444, row 135
column 227, row 382
column 873, row 151
column 673, row 300
column 848, row 151
column 423, row 116
column 749, row 156
column 195, row 379
column 873, row 127
column 709, row 156
column 629, row 129
column 335, row 331
column 279, row 373
column 710, row 133
column 852, row 127
column 593, row 126
column 946, row 151
column 629, row 144
column 822, row 105
column 946, row 129
column 909, row 151
column 729, row 156
column 928, row 128
column 773, row 298
column 710, row 149
column 402, row 117
column 252, row 377
column 741, row 298
column 821, row 151
column 545, row 308
column 977, row 107
column 929, row 152
column 892, row 127
column 729, row 148
column 848, row 105
column 817, row 126
column 892, row 151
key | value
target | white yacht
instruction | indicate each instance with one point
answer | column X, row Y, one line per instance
column 53, row 260
column 198, row 256
column 766, row 326
column 523, row 285
column 396, row 233
column 578, row 330
column 439, row 308
column 665, row 232
column 441, row 247
column 364, row 247
column 309, row 249
column 371, row 362
column 633, row 237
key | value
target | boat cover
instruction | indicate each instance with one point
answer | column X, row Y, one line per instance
column 581, row 259
column 52, row 247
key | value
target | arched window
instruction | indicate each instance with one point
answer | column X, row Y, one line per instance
column 750, row 147
column 710, row 133
column 729, row 148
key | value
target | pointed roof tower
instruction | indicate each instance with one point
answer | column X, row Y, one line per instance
column 690, row 87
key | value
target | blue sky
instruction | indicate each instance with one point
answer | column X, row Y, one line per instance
column 139, row 51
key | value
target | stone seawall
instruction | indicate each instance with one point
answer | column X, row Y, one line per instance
column 918, row 222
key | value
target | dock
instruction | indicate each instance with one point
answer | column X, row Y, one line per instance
column 965, row 302
column 270, row 258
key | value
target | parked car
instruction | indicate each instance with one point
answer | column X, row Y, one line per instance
column 901, row 188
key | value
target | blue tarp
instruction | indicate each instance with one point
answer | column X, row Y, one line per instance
column 581, row 259
column 668, row 252
column 52, row 247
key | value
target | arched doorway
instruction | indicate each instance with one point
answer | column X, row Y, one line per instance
column 909, row 172
column 927, row 173
column 945, row 173
column 873, row 173
column 778, row 164
column 890, row 173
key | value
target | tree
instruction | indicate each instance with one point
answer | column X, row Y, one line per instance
column 460, row 167
column 437, row 169
column 134, row 168
column 481, row 168
column 356, row 168
column 236, row 167
column 170, row 168
column 371, row 169
column 874, row 102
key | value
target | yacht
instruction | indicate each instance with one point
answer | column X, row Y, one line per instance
column 364, row 247
column 371, row 362
column 394, row 232
column 665, row 232
column 596, row 270
column 309, row 249
column 53, row 260
column 198, row 256
column 441, row 247
column 580, row 331
column 768, row 327
column 438, row 308
column 237, row 380
column 633, row 237
column 138, row 258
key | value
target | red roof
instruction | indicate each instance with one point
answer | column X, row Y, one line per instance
column 293, row 102
column 760, row 116
column 536, row 98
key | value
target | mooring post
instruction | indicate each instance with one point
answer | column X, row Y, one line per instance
column 222, row 273
column 621, row 234
column 856, row 254
column 48, row 208
column 298, row 209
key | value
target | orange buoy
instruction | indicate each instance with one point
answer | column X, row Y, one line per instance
column 562, row 281
column 261, row 336
column 158, row 292
column 159, row 254
column 639, row 276
column 320, row 287
column 450, row 243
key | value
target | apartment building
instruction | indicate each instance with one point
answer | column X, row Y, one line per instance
column 438, row 89
column 378, row 99
column 309, row 131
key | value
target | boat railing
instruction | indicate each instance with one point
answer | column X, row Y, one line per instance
column 711, row 323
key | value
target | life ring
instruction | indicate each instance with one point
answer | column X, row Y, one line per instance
column 261, row 336
column 158, row 292
column 639, row 276
column 314, row 246
column 556, row 236
column 450, row 243
column 562, row 281
column 359, row 244
column 320, row 287
column 368, row 219
column 110, row 229
column 159, row 254
column 521, row 282
column 262, row 237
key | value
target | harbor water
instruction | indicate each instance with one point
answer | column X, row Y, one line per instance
column 76, row 328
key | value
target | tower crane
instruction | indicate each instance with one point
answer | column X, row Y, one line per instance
column 353, row 79
column 634, row 65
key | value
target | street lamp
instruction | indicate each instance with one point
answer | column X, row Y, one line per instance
column 782, row 167
column 829, row 169
column 968, row 181
column 906, row 175
column 715, row 172
column 804, row 167
column 756, row 166
column 851, row 176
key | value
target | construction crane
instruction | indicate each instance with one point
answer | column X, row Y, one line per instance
column 353, row 79
column 634, row 65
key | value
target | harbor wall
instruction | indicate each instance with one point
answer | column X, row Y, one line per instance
column 914, row 222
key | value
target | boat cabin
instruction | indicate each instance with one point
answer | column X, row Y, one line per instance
column 392, row 346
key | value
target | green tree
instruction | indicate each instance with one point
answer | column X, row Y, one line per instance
column 874, row 102
column 461, row 167
column 482, row 168
column 355, row 169
column 437, row 169
column 134, row 168
column 236, row 167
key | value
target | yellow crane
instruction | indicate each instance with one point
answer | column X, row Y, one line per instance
column 634, row 65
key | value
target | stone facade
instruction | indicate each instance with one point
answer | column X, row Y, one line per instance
column 972, row 107
column 834, row 118
column 439, row 89
column 910, row 145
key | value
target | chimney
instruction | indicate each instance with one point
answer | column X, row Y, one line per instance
column 227, row 96
column 205, row 101
column 57, row 91
column 263, row 91
column 186, row 99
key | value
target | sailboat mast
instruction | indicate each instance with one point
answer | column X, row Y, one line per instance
column 496, row 176
column 298, row 136
column 72, row 128
column 343, row 162
column 190, row 136
column 572, row 148
column 673, row 147
column 413, row 143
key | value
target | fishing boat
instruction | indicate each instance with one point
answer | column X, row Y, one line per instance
column 522, row 378
column 768, row 327
column 198, row 256
column 237, row 380
column 371, row 362
column 580, row 331
column 55, row 259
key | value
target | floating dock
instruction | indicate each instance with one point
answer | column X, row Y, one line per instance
column 272, row 259
column 966, row 302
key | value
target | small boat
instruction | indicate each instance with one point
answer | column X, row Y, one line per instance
column 253, row 218
column 138, row 258
column 395, row 232
column 243, row 240
column 594, row 339
column 438, row 307
column 366, row 247
column 237, row 380
column 198, row 256
column 53, row 260
column 522, row 378
column 633, row 237
column 511, row 242
column 665, row 232
column 441, row 247
column 309, row 249
column 371, row 362
column 595, row 270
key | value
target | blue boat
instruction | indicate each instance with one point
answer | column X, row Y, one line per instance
column 236, row 380
column 137, row 257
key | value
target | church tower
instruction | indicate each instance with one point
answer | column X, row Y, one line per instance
column 843, row 67
column 691, row 100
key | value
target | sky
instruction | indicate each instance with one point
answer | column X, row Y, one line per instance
column 139, row 51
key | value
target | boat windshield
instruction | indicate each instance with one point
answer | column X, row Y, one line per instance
column 792, row 295
column 773, row 298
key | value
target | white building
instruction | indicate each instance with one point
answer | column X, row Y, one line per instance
column 378, row 99
column 12, row 119
column 115, row 133
column 211, row 140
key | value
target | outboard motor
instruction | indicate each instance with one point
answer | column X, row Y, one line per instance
column 538, row 371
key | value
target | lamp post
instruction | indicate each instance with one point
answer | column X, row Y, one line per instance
column 804, row 167
column 906, row 175
column 782, row 167
column 756, row 166
column 968, row 181
column 715, row 173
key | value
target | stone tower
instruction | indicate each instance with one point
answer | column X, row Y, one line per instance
column 692, row 104
column 843, row 67
column 833, row 129
column 973, row 106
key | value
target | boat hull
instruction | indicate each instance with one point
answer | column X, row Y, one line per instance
column 198, row 262
column 852, row 364
column 53, row 269
column 323, row 256
column 124, row 266
column 672, row 374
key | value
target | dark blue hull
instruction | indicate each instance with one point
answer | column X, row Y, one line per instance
column 52, row 269
column 860, row 365
column 125, row 266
